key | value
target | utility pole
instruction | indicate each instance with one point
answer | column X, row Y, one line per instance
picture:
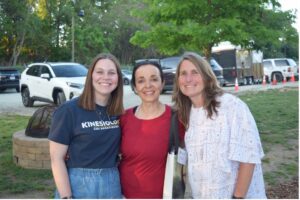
column 73, row 38
column 80, row 14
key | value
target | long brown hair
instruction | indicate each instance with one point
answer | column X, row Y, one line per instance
column 210, row 92
column 115, row 103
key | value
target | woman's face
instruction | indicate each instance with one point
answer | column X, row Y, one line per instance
column 190, row 80
column 148, row 83
column 105, row 78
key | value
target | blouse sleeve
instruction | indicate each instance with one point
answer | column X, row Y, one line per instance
column 245, row 145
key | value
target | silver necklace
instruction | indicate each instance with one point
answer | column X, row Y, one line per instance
column 102, row 116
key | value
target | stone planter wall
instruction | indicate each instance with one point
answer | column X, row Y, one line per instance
column 29, row 152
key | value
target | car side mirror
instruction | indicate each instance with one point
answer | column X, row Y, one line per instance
column 45, row 76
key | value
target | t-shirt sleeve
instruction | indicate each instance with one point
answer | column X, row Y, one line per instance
column 245, row 145
column 61, row 128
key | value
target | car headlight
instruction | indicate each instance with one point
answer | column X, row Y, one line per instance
column 75, row 85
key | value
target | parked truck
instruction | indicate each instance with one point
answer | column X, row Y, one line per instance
column 245, row 65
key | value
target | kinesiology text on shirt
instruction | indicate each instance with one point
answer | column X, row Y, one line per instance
column 101, row 125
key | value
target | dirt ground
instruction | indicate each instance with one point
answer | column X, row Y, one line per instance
column 279, row 154
column 276, row 156
column 287, row 190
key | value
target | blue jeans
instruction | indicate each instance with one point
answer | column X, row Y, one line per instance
column 94, row 183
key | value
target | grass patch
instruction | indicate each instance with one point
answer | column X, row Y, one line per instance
column 275, row 112
column 290, row 168
column 276, row 115
column 14, row 179
column 272, row 177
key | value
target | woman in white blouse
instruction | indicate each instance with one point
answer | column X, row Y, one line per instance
column 222, row 141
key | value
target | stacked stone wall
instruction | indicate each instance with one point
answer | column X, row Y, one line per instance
column 29, row 152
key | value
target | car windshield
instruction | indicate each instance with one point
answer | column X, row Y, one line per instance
column 292, row 62
column 170, row 63
column 70, row 70
column 267, row 64
column 215, row 65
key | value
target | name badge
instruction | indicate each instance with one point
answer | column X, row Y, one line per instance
column 182, row 156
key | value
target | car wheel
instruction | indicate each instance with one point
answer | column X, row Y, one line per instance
column 27, row 101
column 278, row 76
column 60, row 98
column 126, row 82
column 18, row 89
column 2, row 89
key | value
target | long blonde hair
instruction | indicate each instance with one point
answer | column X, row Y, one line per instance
column 211, row 89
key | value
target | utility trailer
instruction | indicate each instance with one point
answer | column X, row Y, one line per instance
column 245, row 65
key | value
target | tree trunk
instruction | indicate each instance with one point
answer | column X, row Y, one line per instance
column 207, row 51
column 17, row 50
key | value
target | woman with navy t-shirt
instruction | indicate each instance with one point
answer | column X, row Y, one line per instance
column 87, row 130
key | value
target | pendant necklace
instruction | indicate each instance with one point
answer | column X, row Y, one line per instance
column 102, row 116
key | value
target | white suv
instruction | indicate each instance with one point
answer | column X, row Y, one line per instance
column 52, row 82
column 280, row 68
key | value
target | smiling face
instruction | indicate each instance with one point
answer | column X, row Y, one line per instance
column 105, row 78
column 148, row 83
column 190, row 81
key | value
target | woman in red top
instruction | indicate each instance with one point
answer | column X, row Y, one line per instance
column 145, row 135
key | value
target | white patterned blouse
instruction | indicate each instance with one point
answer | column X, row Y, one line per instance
column 216, row 146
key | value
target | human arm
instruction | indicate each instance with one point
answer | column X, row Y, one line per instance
column 57, row 153
column 243, row 180
column 246, row 149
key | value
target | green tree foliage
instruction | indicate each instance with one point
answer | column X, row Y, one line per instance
column 46, row 27
column 285, row 42
column 89, row 38
column 195, row 25
column 13, row 22
column 41, row 30
column 119, row 25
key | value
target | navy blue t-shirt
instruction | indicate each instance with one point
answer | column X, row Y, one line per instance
column 93, row 137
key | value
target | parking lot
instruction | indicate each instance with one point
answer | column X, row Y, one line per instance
column 11, row 102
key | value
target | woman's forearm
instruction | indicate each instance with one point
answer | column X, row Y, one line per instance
column 60, row 173
column 243, row 180
column 61, row 178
